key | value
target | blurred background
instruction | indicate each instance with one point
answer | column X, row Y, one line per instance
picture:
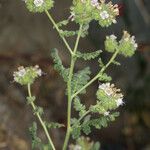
column 26, row 39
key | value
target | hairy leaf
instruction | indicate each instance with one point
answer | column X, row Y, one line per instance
column 80, row 79
column 36, row 141
column 88, row 56
column 79, row 107
column 59, row 66
column 104, row 77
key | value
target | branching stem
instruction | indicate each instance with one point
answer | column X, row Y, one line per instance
column 97, row 76
column 58, row 30
column 40, row 119
column 70, row 90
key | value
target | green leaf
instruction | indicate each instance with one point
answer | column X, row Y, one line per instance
column 96, row 146
column 67, row 33
column 116, row 63
column 76, row 131
column 104, row 77
column 88, row 56
column 36, row 141
column 54, row 125
column 86, row 125
column 62, row 23
column 80, row 79
column 85, row 30
column 101, row 64
column 79, row 107
column 59, row 66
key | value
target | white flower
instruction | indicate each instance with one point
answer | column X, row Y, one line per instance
column 133, row 42
column 94, row 3
column 119, row 102
column 107, row 88
column 38, row 3
column 111, row 90
column 38, row 70
column 104, row 15
column 106, row 113
column 113, row 37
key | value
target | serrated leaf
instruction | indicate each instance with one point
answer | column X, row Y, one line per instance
column 67, row 33
column 59, row 66
column 62, row 23
column 96, row 146
column 79, row 107
column 86, row 125
column 80, row 79
column 88, row 56
column 76, row 131
column 36, row 141
column 54, row 125
column 104, row 77
column 101, row 64
column 116, row 63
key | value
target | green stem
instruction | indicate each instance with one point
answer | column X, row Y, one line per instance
column 58, row 30
column 87, row 112
column 40, row 119
column 97, row 76
column 69, row 90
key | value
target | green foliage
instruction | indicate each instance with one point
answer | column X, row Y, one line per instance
column 62, row 23
column 96, row 146
column 116, row 63
column 38, row 110
column 88, row 56
column 78, row 106
column 101, row 64
column 76, row 130
column 84, row 30
column 80, row 79
column 66, row 33
column 104, row 77
column 36, row 141
column 30, row 99
column 59, row 66
column 53, row 125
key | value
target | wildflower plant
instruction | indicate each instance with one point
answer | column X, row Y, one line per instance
column 108, row 96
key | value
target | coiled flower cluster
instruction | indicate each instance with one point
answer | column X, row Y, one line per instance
column 109, row 98
column 39, row 5
column 87, row 10
column 126, row 46
column 27, row 75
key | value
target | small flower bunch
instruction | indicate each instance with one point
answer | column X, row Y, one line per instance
column 27, row 75
column 39, row 5
column 109, row 98
column 126, row 46
column 85, row 11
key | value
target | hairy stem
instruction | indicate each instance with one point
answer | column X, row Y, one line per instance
column 58, row 30
column 97, row 76
column 40, row 119
column 70, row 90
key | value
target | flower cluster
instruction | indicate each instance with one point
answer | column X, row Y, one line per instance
column 27, row 75
column 111, row 43
column 87, row 10
column 126, row 45
column 109, row 98
column 39, row 5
